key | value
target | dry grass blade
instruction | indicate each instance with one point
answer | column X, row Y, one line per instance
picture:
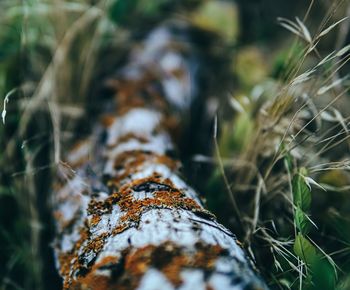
column 290, row 25
column 343, row 51
column 6, row 100
column 298, row 28
column 328, row 29
column 305, row 31
column 222, row 170
column 336, row 83
column 46, row 86
column 303, row 77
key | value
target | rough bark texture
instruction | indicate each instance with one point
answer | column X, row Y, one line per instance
column 125, row 217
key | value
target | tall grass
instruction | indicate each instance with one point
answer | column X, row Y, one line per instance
column 281, row 155
column 284, row 157
column 48, row 53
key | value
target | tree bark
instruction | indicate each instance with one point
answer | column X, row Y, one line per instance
column 125, row 217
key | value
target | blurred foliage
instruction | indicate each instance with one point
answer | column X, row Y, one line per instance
column 282, row 149
column 247, row 58
column 220, row 17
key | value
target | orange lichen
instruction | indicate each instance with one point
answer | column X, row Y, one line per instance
column 68, row 260
column 73, row 263
column 93, row 280
column 95, row 219
column 96, row 244
column 107, row 120
column 139, row 93
column 204, row 258
column 129, row 136
column 171, row 198
column 169, row 162
column 98, row 207
column 129, row 269
column 155, row 178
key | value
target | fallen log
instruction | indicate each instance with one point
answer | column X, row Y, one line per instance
column 125, row 218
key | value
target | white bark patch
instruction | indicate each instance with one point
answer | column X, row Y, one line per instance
column 142, row 195
column 71, row 201
column 192, row 279
column 137, row 121
column 155, row 280
column 69, row 240
column 176, row 82
column 159, row 143
column 81, row 153
column 179, row 226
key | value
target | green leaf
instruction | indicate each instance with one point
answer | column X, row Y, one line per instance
column 304, row 249
column 243, row 131
column 151, row 8
column 301, row 192
column 288, row 159
column 301, row 221
column 321, row 273
column 288, row 162
column 121, row 10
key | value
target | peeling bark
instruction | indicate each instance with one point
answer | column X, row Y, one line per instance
column 125, row 217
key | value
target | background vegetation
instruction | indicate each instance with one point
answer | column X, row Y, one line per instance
column 273, row 142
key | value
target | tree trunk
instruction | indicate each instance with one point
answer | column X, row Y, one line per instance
column 125, row 218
